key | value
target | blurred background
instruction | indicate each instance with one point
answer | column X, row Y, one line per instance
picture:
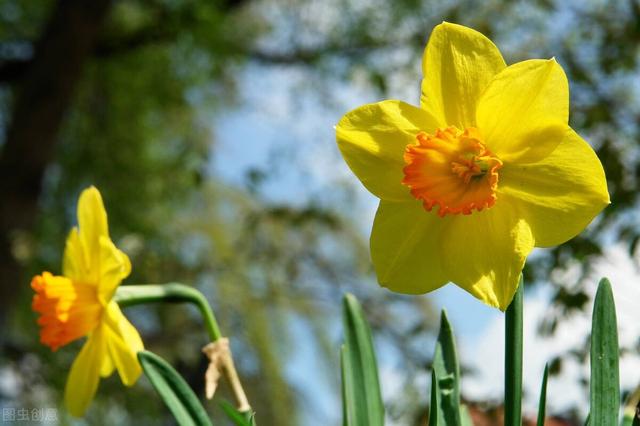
column 208, row 128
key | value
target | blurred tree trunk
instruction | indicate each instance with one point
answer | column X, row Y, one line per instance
column 43, row 95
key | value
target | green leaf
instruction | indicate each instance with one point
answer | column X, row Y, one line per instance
column 435, row 415
column 542, row 405
column 174, row 391
column 347, row 387
column 445, row 364
column 362, row 402
column 465, row 417
column 238, row 418
column 605, row 381
column 513, row 360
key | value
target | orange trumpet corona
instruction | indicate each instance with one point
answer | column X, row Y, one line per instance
column 453, row 170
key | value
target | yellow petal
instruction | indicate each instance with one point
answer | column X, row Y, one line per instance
column 84, row 376
column 74, row 262
column 123, row 342
column 523, row 114
column 484, row 253
column 372, row 140
column 559, row 195
column 405, row 247
column 114, row 267
column 107, row 366
column 92, row 221
column 458, row 64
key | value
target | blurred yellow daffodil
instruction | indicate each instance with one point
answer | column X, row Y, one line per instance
column 79, row 304
column 486, row 169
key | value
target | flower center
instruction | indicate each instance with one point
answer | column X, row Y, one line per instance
column 453, row 170
column 68, row 310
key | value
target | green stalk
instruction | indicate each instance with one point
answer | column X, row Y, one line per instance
column 129, row 295
column 513, row 360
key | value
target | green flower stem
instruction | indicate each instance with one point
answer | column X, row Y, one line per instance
column 129, row 295
column 513, row 360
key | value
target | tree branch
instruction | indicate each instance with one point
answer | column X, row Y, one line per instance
column 305, row 56
column 43, row 97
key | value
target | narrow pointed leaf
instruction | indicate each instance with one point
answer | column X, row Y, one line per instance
column 348, row 403
column 362, row 401
column 513, row 360
column 605, row 380
column 542, row 405
column 445, row 364
column 238, row 418
column 435, row 416
column 174, row 391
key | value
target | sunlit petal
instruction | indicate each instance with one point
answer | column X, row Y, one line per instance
column 123, row 342
column 484, row 253
column 559, row 195
column 405, row 248
column 75, row 262
column 92, row 222
column 84, row 376
column 372, row 140
column 523, row 113
column 458, row 64
column 114, row 267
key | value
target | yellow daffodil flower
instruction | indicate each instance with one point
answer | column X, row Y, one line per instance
column 79, row 304
column 486, row 169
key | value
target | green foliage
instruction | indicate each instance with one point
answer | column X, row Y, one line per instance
column 436, row 416
column 605, row 381
column 447, row 372
column 361, row 398
column 605, row 392
column 238, row 418
column 445, row 408
column 542, row 405
column 362, row 402
column 174, row 391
